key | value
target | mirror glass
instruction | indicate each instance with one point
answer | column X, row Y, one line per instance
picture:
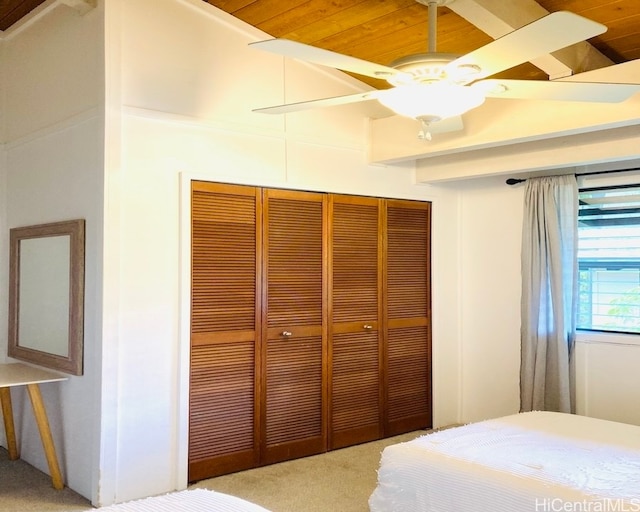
column 46, row 295
column 43, row 309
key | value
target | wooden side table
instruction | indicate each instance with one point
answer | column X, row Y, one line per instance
column 18, row 374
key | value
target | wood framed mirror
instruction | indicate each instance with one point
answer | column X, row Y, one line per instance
column 46, row 295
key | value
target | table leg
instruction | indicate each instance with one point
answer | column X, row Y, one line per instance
column 45, row 434
column 9, row 428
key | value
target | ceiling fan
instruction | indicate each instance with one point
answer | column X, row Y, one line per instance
column 434, row 86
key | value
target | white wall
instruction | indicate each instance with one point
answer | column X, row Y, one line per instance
column 4, row 239
column 4, row 264
column 491, row 223
column 188, row 83
column 607, row 377
column 52, row 170
column 606, row 365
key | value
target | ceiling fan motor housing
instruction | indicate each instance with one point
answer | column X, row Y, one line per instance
column 425, row 68
column 421, row 68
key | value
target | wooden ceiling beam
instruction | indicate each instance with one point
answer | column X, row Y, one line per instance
column 497, row 18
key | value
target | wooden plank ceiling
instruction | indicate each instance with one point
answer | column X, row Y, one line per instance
column 383, row 30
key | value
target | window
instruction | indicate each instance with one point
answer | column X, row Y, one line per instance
column 609, row 259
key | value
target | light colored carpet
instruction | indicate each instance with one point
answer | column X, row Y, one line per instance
column 340, row 480
column 23, row 488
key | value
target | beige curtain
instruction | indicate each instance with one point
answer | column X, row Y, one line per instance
column 549, row 292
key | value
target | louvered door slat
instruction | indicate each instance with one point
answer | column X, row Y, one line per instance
column 355, row 261
column 355, row 383
column 222, row 420
column 221, row 404
column 408, row 317
column 355, row 376
column 409, row 365
column 294, row 421
column 223, row 261
column 294, row 377
column 408, row 262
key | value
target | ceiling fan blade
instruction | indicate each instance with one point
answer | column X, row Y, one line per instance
column 327, row 58
column 326, row 102
column 548, row 34
column 557, row 90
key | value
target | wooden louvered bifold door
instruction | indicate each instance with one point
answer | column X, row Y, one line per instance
column 294, row 347
column 224, row 329
column 408, row 314
column 355, row 342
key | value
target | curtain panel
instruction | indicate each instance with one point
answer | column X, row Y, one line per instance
column 549, row 292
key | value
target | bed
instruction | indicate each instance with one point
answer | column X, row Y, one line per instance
column 529, row 462
column 195, row 500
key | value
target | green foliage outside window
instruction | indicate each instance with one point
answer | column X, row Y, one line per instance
column 626, row 310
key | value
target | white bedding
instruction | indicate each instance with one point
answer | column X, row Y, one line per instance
column 196, row 500
column 530, row 462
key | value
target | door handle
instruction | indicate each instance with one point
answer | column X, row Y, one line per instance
column 286, row 334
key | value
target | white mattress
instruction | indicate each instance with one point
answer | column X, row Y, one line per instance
column 196, row 500
column 530, row 462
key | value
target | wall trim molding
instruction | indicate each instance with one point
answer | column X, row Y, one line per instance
column 81, row 6
column 604, row 147
column 60, row 126
column 213, row 125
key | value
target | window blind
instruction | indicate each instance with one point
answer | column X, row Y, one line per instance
column 609, row 259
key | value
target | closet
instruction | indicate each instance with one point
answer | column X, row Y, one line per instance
column 310, row 324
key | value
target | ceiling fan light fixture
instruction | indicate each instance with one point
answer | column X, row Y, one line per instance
column 431, row 102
